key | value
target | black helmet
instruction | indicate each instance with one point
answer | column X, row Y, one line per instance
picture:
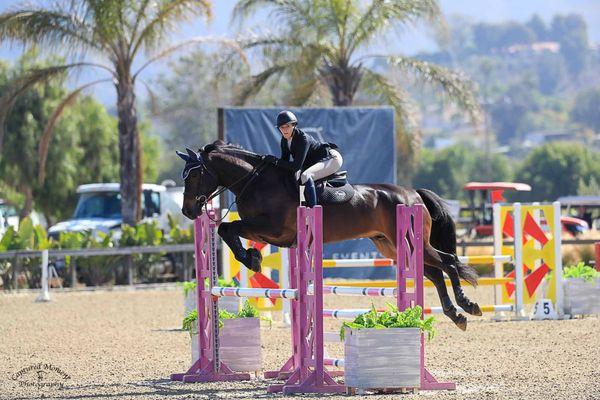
column 286, row 117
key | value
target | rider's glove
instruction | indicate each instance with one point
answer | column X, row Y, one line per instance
column 270, row 159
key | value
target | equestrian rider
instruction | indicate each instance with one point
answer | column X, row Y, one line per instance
column 311, row 159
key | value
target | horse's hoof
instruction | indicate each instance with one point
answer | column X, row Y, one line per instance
column 253, row 260
column 461, row 322
column 472, row 308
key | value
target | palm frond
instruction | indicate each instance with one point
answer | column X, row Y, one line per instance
column 379, row 86
column 457, row 86
column 302, row 91
column 167, row 17
column 24, row 83
column 408, row 133
column 107, row 19
column 252, row 86
column 141, row 15
column 245, row 8
column 49, row 128
column 154, row 108
column 251, row 40
column 232, row 44
column 382, row 14
column 47, row 28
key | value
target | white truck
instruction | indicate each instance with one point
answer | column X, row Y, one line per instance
column 99, row 208
column 9, row 216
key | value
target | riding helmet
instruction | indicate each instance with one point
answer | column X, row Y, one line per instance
column 286, row 117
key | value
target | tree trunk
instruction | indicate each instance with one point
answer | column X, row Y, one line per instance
column 342, row 81
column 28, row 203
column 129, row 148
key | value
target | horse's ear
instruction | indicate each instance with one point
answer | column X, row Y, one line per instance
column 209, row 147
column 183, row 156
column 193, row 155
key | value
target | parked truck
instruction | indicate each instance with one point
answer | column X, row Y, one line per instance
column 99, row 208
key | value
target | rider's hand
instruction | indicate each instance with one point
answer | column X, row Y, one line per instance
column 270, row 159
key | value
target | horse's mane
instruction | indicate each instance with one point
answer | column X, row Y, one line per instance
column 228, row 148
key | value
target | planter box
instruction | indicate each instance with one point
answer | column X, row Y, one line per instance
column 239, row 344
column 231, row 304
column 581, row 297
column 382, row 358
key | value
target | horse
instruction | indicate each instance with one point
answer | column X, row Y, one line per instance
column 267, row 197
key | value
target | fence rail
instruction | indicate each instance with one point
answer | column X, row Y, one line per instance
column 184, row 248
column 109, row 251
column 128, row 252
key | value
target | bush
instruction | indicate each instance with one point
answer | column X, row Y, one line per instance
column 556, row 169
column 144, row 234
column 27, row 237
column 95, row 270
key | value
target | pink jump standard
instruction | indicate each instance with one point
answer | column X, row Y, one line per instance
column 305, row 370
column 208, row 367
column 410, row 265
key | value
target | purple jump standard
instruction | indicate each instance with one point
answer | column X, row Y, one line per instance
column 208, row 367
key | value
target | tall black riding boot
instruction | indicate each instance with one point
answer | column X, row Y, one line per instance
column 310, row 193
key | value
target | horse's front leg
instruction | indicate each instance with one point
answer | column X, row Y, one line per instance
column 253, row 229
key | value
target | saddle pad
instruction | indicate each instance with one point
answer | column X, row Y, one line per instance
column 327, row 194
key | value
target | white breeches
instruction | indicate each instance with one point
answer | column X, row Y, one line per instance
column 323, row 168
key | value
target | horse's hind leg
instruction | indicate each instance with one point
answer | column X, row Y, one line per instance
column 387, row 248
column 437, row 277
column 448, row 263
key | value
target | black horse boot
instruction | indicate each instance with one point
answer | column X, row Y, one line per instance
column 310, row 193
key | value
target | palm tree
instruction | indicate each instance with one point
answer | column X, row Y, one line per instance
column 324, row 44
column 109, row 36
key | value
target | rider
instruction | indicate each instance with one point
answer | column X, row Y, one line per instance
column 311, row 159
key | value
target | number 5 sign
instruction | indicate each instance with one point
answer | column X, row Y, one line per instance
column 544, row 309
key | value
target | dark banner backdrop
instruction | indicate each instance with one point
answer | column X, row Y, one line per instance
column 365, row 136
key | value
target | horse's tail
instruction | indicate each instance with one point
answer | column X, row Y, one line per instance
column 443, row 232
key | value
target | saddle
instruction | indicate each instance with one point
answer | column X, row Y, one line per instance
column 333, row 189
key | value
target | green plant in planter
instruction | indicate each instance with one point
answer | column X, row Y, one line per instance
column 222, row 282
column 581, row 271
column 392, row 318
column 190, row 322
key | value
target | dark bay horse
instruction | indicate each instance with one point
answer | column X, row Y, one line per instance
column 267, row 201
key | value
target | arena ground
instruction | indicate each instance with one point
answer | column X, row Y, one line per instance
column 125, row 344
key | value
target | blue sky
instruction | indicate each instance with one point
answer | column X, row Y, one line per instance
column 411, row 42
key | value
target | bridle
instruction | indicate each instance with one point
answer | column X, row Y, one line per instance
column 203, row 199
